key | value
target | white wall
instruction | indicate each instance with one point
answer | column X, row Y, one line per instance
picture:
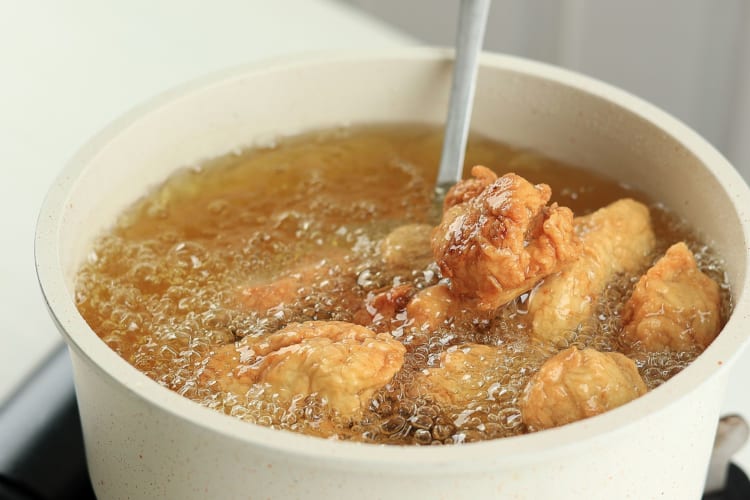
column 691, row 57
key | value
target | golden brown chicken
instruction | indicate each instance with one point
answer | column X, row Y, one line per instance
column 616, row 239
column 433, row 307
column 286, row 289
column 466, row 373
column 496, row 245
column 342, row 363
column 574, row 384
column 674, row 307
column 264, row 296
column 389, row 305
column 407, row 247
column 467, row 189
column 331, row 275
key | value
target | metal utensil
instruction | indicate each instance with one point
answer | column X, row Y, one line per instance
column 472, row 21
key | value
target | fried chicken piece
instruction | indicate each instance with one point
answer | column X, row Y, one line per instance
column 407, row 247
column 615, row 239
column 674, row 306
column 265, row 296
column 387, row 304
column 293, row 288
column 466, row 189
column 432, row 307
column 466, row 373
column 341, row 362
column 500, row 243
column 286, row 289
column 573, row 385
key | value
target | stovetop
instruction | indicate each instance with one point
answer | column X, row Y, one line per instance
column 46, row 460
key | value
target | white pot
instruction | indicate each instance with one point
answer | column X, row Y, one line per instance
column 143, row 441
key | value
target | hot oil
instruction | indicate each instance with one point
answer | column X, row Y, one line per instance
column 162, row 287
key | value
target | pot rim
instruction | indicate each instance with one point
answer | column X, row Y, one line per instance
column 475, row 456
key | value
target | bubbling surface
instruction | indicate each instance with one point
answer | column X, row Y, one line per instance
column 160, row 287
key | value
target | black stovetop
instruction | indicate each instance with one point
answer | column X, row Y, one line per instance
column 47, row 460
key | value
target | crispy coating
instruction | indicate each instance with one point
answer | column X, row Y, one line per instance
column 341, row 362
column 293, row 287
column 573, row 385
column 407, row 247
column 286, row 289
column 432, row 307
column 498, row 244
column 674, row 306
column 265, row 296
column 615, row 239
column 466, row 189
column 466, row 373
column 385, row 305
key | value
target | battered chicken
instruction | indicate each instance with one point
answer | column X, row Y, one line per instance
column 616, row 239
column 498, row 244
column 469, row 188
column 466, row 373
column 330, row 275
column 343, row 363
column 286, row 289
column 432, row 307
column 674, row 307
column 407, row 247
column 386, row 305
column 574, row 384
column 265, row 296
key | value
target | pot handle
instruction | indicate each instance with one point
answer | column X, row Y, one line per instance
column 731, row 435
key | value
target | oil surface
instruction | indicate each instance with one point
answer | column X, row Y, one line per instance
column 161, row 287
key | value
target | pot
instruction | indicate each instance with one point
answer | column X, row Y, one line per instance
column 143, row 441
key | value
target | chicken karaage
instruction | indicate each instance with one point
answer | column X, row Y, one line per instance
column 432, row 307
column 576, row 384
column 466, row 373
column 499, row 243
column 674, row 306
column 615, row 239
column 342, row 363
